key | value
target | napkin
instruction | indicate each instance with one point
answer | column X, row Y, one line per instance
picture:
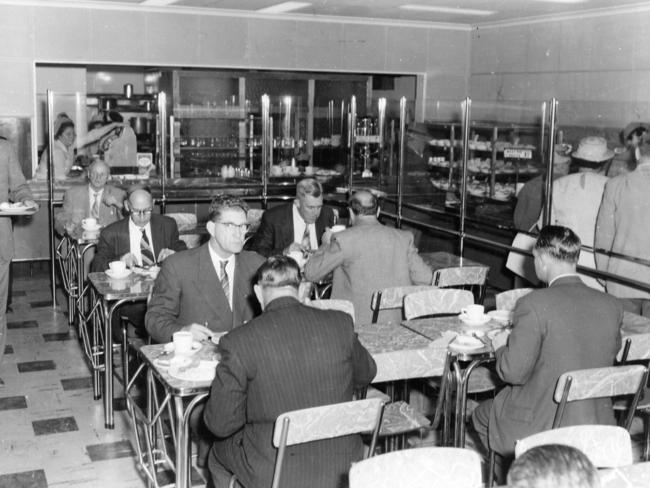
column 444, row 340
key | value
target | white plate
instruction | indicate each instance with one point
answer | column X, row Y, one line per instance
column 483, row 320
column 466, row 343
column 118, row 276
column 196, row 345
column 203, row 372
column 501, row 316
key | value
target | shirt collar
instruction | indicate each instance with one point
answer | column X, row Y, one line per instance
column 135, row 228
column 565, row 275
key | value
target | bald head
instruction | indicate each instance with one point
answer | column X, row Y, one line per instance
column 98, row 173
column 363, row 203
column 141, row 206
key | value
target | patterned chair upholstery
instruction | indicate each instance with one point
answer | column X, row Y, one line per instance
column 508, row 299
column 473, row 278
column 606, row 446
column 424, row 467
column 392, row 298
column 436, row 301
column 325, row 422
column 187, row 223
column 342, row 305
column 598, row 383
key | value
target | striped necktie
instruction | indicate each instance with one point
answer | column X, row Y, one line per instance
column 94, row 211
column 225, row 281
column 306, row 240
column 148, row 258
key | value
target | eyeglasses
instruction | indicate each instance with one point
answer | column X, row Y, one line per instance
column 142, row 213
column 230, row 226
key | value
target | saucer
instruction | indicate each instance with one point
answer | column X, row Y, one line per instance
column 466, row 343
column 196, row 345
column 483, row 320
column 501, row 316
column 118, row 276
column 96, row 228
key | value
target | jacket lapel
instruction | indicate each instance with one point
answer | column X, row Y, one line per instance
column 288, row 229
column 156, row 235
column 209, row 286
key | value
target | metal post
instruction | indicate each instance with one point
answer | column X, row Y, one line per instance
column 50, row 186
column 267, row 146
column 352, row 127
column 548, row 197
column 162, row 127
column 400, row 161
column 381, row 131
column 467, row 108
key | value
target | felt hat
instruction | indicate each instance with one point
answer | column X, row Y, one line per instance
column 631, row 127
column 593, row 149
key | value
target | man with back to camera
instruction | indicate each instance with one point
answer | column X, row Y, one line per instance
column 565, row 327
column 296, row 226
column 143, row 239
column 367, row 257
column 208, row 289
column 291, row 357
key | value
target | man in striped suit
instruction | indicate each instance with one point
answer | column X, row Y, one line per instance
column 290, row 357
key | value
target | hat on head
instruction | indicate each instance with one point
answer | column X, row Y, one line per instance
column 593, row 149
column 61, row 119
column 631, row 127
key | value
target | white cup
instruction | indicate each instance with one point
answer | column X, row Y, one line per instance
column 182, row 342
column 89, row 223
column 473, row 312
column 337, row 228
column 117, row 267
column 309, row 170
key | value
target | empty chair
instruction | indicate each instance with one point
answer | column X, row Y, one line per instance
column 436, row 301
column 606, row 446
column 424, row 467
column 391, row 298
column 508, row 299
column 471, row 278
column 594, row 383
column 187, row 226
column 342, row 305
column 325, row 422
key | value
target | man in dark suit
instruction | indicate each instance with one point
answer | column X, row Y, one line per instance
column 564, row 327
column 291, row 357
column 296, row 226
column 208, row 289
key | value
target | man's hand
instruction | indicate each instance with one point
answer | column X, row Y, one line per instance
column 293, row 247
column 500, row 340
column 31, row 203
column 199, row 332
column 327, row 236
column 129, row 259
column 164, row 254
column 111, row 200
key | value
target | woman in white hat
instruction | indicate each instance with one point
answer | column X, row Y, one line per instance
column 62, row 150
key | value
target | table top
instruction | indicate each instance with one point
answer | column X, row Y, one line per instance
column 443, row 259
column 134, row 287
column 632, row 476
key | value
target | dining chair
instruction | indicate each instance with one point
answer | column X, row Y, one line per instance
column 606, row 446
column 473, row 278
column 341, row 305
column 391, row 298
column 507, row 300
column 325, row 422
column 423, row 467
column 436, row 301
column 186, row 223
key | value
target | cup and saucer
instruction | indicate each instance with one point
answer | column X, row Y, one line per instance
column 474, row 315
column 90, row 225
column 117, row 270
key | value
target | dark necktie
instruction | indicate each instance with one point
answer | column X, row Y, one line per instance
column 145, row 250
column 306, row 241
column 225, row 282
column 94, row 211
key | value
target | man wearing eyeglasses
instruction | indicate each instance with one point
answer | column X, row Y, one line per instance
column 209, row 289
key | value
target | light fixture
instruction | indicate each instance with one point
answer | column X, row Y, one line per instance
column 446, row 10
column 157, row 3
column 284, row 7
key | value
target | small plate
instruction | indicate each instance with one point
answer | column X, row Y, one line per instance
column 119, row 276
column 87, row 228
column 466, row 343
column 203, row 372
column 169, row 347
column 483, row 320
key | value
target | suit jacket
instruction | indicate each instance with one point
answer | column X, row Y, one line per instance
column 188, row 291
column 291, row 357
column 623, row 227
column 13, row 187
column 114, row 241
column 565, row 327
column 76, row 207
column 275, row 232
column 365, row 258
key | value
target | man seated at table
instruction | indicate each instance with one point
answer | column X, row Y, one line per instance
column 143, row 239
column 291, row 357
column 295, row 226
column 368, row 257
column 207, row 289
column 96, row 199
column 564, row 327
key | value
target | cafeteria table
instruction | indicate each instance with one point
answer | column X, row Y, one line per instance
column 443, row 259
column 633, row 476
column 107, row 295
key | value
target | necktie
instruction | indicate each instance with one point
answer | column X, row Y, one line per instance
column 306, row 241
column 145, row 250
column 225, row 282
column 94, row 211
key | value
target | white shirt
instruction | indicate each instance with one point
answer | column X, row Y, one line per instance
column 230, row 270
column 91, row 199
column 564, row 275
column 299, row 229
column 135, row 236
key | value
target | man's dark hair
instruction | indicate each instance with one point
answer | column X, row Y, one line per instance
column 223, row 202
column 278, row 271
column 559, row 242
column 363, row 203
column 553, row 465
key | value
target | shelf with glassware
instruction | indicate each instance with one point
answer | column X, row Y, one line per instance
column 495, row 168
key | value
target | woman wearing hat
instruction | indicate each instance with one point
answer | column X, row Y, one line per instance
column 62, row 150
column 627, row 160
